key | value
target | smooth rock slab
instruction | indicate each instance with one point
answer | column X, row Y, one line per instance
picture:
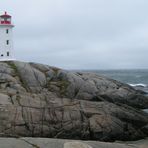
column 4, row 99
column 60, row 143
column 76, row 145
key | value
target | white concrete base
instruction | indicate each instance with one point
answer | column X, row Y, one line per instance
column 11, row 59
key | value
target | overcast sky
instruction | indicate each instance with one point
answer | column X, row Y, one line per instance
column 81, row 34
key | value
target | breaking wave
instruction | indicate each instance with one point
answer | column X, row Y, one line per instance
column 138, row 85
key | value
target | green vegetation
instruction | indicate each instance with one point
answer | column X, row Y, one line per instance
column 61, row 84
column 63, row 87
column 18, row 98
column 55, row 70
column 23, row 83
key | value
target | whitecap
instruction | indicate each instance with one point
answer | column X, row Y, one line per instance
column 138, row 85
column 145, row 110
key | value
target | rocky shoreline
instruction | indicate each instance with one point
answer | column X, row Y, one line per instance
column 42, row 101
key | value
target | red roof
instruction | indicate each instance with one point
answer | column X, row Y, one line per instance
column 5, row 15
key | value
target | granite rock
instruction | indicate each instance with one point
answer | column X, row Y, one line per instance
column 42, row 101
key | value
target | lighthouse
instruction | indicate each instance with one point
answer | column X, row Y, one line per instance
column 6, row 38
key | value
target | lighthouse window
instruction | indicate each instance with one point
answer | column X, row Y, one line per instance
column 2, row 55
column 8, row 54
column 7, row 42
column 7, row 31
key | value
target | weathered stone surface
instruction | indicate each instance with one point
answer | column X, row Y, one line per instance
column 59, row 143
column 76, row 145
column 32, row 78
column 4, row 99
column 42, row 101
column 89, row 86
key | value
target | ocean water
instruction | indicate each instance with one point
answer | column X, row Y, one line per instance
column 136, row 78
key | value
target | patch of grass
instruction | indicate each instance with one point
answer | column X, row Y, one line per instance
column 18, row 98
column 23, row 83
column 12, row 65
column 63, row 85
column 55, row 70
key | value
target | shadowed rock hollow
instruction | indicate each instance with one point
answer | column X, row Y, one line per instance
column 42, row 101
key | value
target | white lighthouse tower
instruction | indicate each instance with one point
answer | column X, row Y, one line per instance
column 6, row 39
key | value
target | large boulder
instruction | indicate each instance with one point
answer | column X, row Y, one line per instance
column 89, row 86
column 41, row 101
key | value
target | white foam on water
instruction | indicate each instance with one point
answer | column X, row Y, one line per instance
column 138, row 85
column 145, row 110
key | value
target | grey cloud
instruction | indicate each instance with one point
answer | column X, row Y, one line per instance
column 81, row 34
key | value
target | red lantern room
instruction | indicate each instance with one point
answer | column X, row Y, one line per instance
column 5, row 19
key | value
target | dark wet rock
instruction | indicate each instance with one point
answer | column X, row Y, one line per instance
column 41, row 101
